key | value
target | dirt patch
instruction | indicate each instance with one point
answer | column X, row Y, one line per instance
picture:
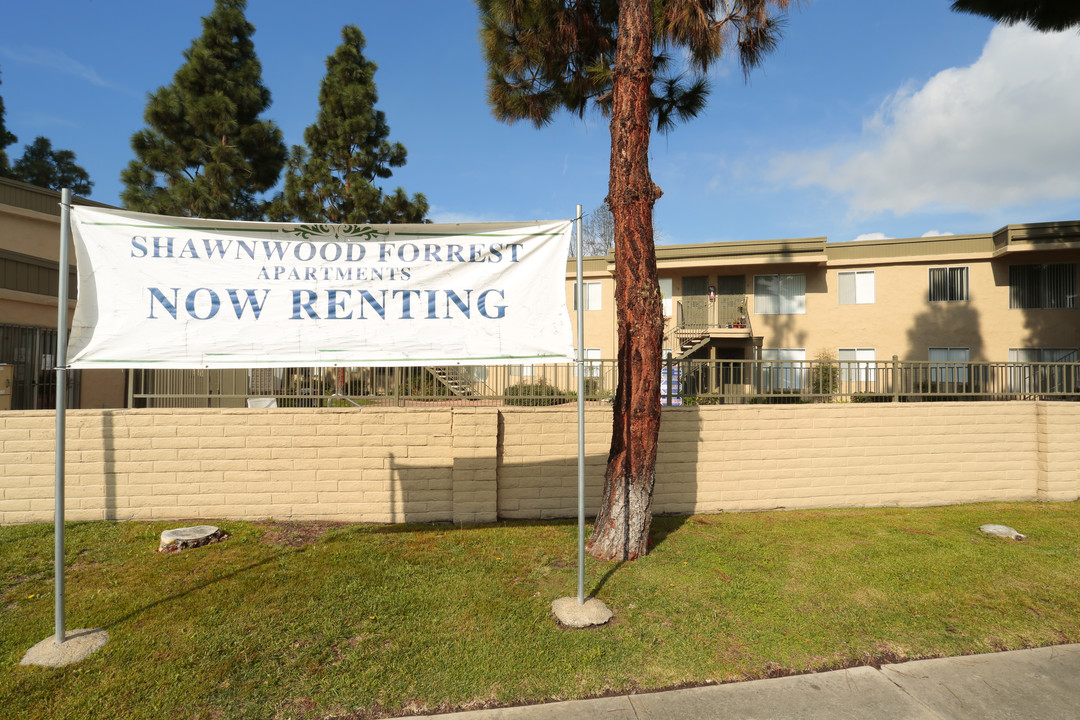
column 296, row 534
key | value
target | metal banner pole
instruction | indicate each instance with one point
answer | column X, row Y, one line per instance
column 579, row 292
column 61, row 408
column 580, row 614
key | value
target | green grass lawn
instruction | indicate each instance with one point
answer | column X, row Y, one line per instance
column 290, row 620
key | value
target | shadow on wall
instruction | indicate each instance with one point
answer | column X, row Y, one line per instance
column 108, row 444
column 536, row 466
column 1048, row 327
column 521, row 465
column 786, row 330
column 945, row 325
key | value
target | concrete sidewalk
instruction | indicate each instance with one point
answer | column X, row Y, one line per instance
column 1038, row 684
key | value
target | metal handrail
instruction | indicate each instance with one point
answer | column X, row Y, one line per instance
column 691, row 382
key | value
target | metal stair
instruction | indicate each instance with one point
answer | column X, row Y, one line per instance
column 701, row 320
column 691, row 344
column 455, row 381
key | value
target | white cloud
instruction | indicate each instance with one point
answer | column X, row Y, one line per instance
column 936, row 233
column 872, row 236
column 57, row 60
column 1003, row 132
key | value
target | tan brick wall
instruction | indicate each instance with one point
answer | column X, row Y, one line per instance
column 475, row 436
column 757, row 457
column 385, row 465
column 1059, row 440
column 477, row 464
column 762, row 457
column 538, row 463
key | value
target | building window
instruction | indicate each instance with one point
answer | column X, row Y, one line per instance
column 1051, row 285
column 592, row 295
column 780, row 294
column 1054, row 373
column 666, row 293
column 856, row 287
column 857, row 365
column 948, row 284
column 949, row 364
column 783, row 369
column 521, row 370
column 1042, row 355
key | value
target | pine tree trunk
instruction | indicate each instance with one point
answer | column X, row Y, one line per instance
column 622, row 526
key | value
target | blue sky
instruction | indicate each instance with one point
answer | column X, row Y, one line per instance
column 870, row 120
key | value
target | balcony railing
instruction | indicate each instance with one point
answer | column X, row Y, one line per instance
column 699, row 318
column 701, row 313
column 684, row 382
column 800, row 381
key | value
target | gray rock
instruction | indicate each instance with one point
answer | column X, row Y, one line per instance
column 189, row 537
column 1001, row 531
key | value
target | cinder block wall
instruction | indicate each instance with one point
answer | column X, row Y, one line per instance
column 376, row 465
column 826, row 455
column 480, row 464
column 1058, row 437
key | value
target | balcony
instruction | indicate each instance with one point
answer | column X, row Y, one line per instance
column 699, row 319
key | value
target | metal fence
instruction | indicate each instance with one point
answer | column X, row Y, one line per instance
column 524, row 385
column 761, row 381
column 31, row 352
column 686, row 382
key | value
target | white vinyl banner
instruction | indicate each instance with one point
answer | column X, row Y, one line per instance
column 163, row 292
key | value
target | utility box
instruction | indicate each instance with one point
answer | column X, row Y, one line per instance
column 7, row 379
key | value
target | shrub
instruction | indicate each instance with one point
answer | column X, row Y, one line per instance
column 824, row 375
column 870, row 397
column 537, row 394
column 594, row 387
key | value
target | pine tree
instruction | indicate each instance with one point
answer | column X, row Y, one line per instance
column 206, row 153
column 333, row 179
column 6, row 138
column 1043, row 15
column 547, row 55
column 55, row 169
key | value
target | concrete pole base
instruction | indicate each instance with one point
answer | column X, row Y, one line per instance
column 76, row 646
column 569, row 613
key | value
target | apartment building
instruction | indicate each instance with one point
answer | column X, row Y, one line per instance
column 29, row 283
column 1004, row 297
column 1008, row 296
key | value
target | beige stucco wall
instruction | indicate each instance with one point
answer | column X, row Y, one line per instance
column 31, row 233
column 480, row 464
column 37, row 234
column 902, row 321
column 600, row 327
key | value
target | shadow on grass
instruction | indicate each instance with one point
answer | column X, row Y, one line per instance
column 607, row 576
column 25, row 533
column 200, row 586
column 663, row 527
